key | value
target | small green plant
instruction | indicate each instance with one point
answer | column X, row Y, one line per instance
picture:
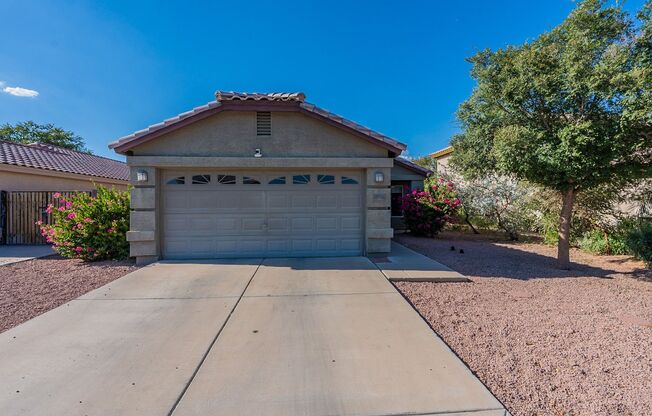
column 600, row 242
column 89, row 227
column 639, row 243
column 426, row 212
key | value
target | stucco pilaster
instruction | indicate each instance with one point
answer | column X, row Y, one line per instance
column 379, row 231
column 143, row 218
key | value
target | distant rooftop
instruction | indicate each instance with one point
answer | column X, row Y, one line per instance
column 443, row 152
column 55, row 158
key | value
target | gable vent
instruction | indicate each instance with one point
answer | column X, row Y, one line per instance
column 263, row 123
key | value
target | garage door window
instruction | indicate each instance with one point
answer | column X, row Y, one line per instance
column 326, row 179
column 278, row 181
column 300, row 179
column 348, row 181
column 226, row 179
column 201, row 179
column 248, row 180
column 178, row 180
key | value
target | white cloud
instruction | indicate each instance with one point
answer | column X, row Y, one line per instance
column 18, row 91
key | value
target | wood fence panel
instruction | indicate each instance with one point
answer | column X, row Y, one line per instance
column 22, row 210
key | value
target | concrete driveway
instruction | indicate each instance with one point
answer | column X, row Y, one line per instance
column 243, row 337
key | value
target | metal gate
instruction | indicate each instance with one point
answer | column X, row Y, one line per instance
column 19, row 211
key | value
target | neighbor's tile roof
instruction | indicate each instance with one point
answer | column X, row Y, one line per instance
column 48, row 157
column 225, row 96
column 408, row 164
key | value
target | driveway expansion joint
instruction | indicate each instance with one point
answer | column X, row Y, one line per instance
column 210, row 346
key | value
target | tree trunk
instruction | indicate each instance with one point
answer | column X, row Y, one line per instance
column 468, row 221
column 563, row 246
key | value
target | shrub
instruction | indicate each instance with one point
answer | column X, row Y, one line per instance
column 600, row 242
column 639, row 242
column 426, row 212
column 89, row 228
column 500, row 201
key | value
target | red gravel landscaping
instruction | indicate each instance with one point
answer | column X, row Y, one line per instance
column 545, row 341
column 30, row 288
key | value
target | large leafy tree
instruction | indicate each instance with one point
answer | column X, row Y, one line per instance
column 570, row 110
column 31, row 132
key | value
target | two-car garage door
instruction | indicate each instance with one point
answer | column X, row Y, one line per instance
column 212, row 214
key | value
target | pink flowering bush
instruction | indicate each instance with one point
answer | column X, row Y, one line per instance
column 426, row 212
column 87, row 227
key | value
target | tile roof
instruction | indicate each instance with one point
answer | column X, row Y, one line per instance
column 256, row 96
column 48, row 157
column 408, row 164
column 230, row 96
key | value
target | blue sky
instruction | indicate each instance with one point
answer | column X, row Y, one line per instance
column 106, row 69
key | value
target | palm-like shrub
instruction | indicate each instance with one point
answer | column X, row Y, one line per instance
column 89, row 227
column 427, row 212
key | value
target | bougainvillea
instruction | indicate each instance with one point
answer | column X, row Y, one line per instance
column 426, row 212
column 89, row 227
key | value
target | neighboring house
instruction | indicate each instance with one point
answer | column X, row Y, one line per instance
column 252, row 175
column 442, row 157
column 31, row 174
column 406, row 176
column 43, row 167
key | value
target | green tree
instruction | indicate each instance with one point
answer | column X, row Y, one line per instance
column 570, row 110
column 31, row 132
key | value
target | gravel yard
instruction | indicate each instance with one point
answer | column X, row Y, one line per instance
column 545, row 341
column 30, row 288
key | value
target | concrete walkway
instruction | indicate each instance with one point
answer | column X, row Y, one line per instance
column 241, row 337
column 15, row 254
column 403, row 264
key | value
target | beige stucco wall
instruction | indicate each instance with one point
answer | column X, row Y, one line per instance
column 30, row 179
column 233, row 134
column 231, row 137
column 442, row 164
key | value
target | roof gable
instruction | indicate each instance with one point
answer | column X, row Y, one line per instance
column 234, row 101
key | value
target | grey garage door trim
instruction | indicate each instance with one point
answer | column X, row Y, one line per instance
column 213, row 213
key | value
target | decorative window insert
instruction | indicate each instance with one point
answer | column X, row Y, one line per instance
column 277, row 181
column 326, row 179
column 226, row 179
column 248, row 180
column 178, row 180
column 348, row 181
column 263, row 123
column 201, row 179
column 300, row 179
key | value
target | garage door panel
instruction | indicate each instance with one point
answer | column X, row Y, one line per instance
column 326, row 223
column 302, row 201
column 278, row 224
column 278, row 200
column 351, row 223
column 351, row 244
column 251, row 220
column 351, row 201
column 327, row 201
column 301, row 224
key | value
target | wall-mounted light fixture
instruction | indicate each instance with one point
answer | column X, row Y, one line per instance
column 258, row 153
column 141, row 175
column 379, row 177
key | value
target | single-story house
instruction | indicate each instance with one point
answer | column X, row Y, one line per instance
column 252, row 174
column 30, row 175
column 44, row 167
